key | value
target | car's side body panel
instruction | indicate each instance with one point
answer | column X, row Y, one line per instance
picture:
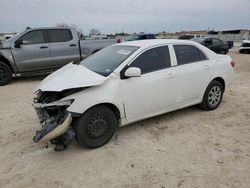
column 151, row 93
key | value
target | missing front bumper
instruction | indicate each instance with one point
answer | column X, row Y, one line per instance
column 52, row 131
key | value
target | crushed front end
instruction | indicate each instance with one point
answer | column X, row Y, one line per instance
column 54, row 119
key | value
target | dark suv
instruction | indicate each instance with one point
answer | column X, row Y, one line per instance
column 214, row 44
column 140, row 37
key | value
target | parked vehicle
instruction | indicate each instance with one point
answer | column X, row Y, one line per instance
column 245, row 47
column 41, row 50
column 141, row 36
column 189, row 36
column 125, row 83
column 214, row 44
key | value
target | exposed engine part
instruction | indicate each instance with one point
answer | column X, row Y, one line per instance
column 49, row 96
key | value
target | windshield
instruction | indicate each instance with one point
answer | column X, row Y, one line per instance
column 105, row 61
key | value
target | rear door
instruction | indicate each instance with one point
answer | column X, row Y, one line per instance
column 34, row 53
column 63, row 47
column 194, row 72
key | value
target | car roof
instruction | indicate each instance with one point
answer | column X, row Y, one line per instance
column 155, row 42
column 143, row 34
column 37, row 28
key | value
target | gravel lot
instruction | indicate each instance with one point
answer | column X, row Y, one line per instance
column 186, row 148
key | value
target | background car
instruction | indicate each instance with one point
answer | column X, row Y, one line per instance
column 42, row 50
column 141, row 36
column 245, row 47
column 189, row 36
column 214, row 44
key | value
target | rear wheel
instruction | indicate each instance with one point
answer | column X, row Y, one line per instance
column 223, row 52
column 212, row 96
column 5, row 73
column 242, row 51
column 96, row 127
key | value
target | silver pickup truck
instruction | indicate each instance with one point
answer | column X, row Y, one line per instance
column 42, row 50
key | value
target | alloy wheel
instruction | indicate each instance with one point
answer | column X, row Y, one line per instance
column 214, row 96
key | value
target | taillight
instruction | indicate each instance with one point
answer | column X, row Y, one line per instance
column 232, row 63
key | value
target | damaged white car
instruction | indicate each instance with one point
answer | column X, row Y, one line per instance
column 124, row 83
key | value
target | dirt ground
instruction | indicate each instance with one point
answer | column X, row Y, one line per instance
column 186, row 148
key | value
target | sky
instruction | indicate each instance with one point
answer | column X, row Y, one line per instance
column 111, row 16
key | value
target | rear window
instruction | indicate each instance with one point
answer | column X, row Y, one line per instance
column 217, row 42
column 188, row 54
column 60, row 35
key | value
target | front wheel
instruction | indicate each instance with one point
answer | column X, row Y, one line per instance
column 212, row 96
column 5, row 73
column 96, row 127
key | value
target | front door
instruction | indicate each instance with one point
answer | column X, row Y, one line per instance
column 155, row 90
column 34, row 53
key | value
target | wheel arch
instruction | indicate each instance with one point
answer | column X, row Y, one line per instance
column 3, row 59
column 221, row 80
column 117, row 111
column 113, row 107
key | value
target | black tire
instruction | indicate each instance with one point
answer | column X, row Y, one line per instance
column 223, row 52
column 242, row 51
column 212, row 96
column 96, row 127
column 5, row 73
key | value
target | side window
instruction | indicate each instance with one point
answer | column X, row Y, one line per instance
column 216, row 42
column 152, row 60
column 188, row 54
column 33, row 37
column 246, row 45
column 60, row 35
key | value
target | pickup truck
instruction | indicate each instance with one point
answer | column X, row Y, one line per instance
column 43, row 50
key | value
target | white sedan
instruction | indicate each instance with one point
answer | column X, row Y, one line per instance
column 125, row 83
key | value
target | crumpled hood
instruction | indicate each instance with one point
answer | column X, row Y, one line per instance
column 70, row 76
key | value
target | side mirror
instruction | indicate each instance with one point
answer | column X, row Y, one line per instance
column 133, row 72
column 18, row 43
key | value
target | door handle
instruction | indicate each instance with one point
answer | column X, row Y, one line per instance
column 170, row 75
column 43, row 47
column 72, row 45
